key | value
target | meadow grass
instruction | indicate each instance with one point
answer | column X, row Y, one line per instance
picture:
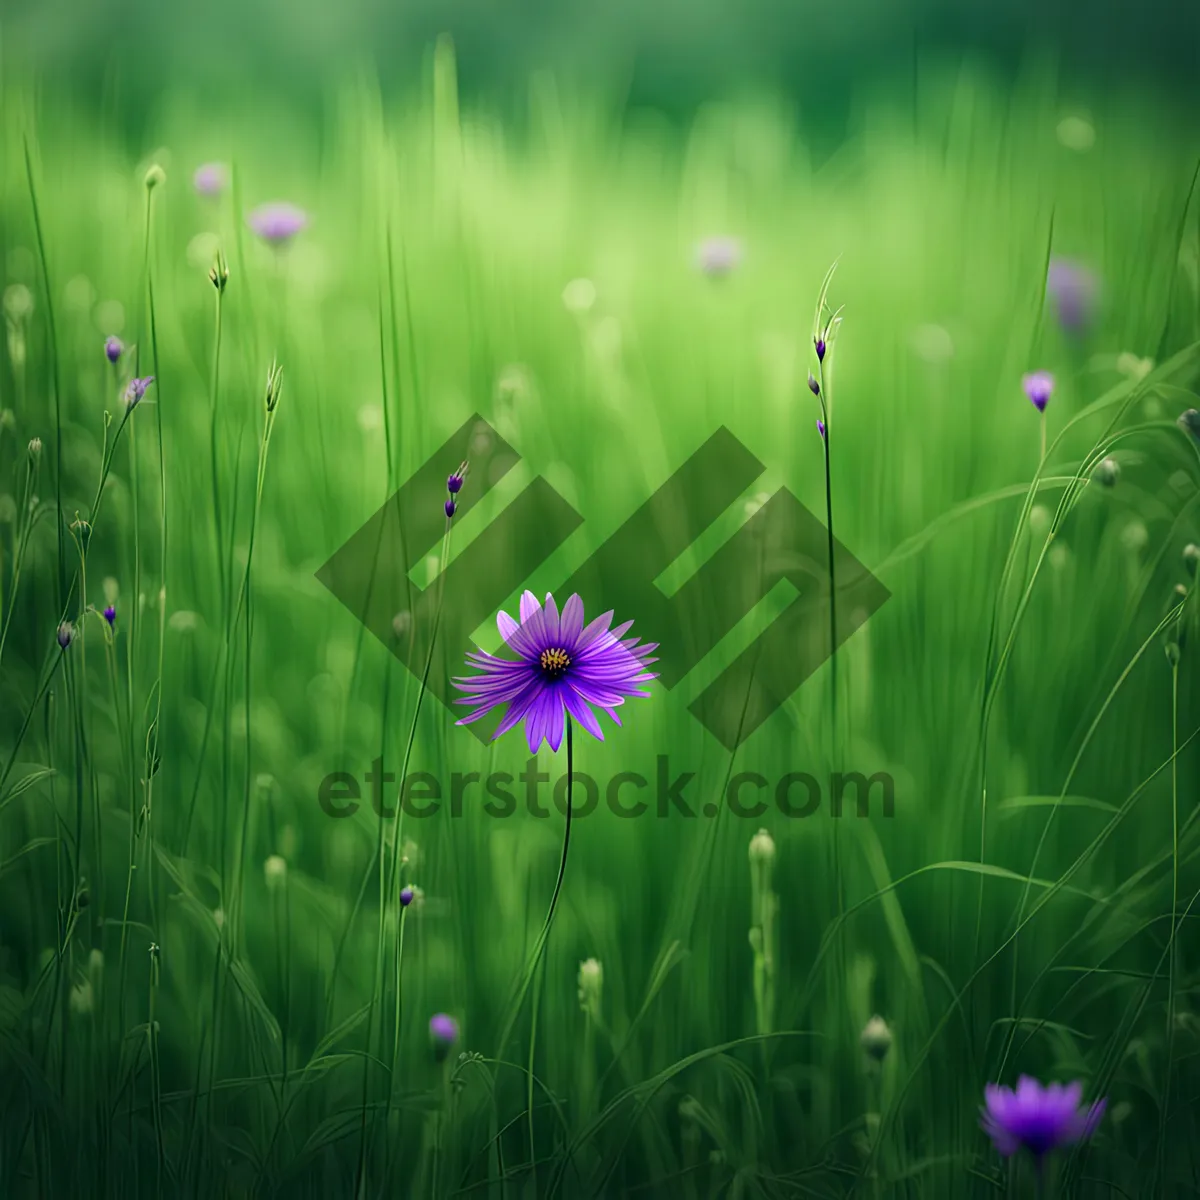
column 209, row 988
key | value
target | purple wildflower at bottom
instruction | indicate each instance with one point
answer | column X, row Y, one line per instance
column 110, row 615
column 277, row 223
column 443, row 1034
column 1038, row 387
column 562, row 668
column 1040, row 1119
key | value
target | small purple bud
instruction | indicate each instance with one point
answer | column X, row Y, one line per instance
column 451, row 508
column 455, row 482
column 137, row 389
column 820, row 427
column 113, row 349
column 443, row 1033
column 1038, row 388
column 820, row 349
column 110, row 615
column 813, row 385
column 406, row 896
column 65, row 634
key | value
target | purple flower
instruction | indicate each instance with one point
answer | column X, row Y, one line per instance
column 137, row 389
column 210, row 179
column 1074, row 290
column 455, row 482
column 113, row 349
column 451, row 507
column 718, row 256
column 813, row 385
column 1038, row 387
column 110, row 615
column 1039, row 1118
column 820, row 348
column 65, row 634
column 562, row 667
column 277, row 223
column 820, row 427
column 406, row 896
column 443, row 1033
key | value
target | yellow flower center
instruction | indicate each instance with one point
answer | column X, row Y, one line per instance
column 554, row 662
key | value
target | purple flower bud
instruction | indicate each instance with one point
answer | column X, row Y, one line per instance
column 820, row 427
column 113, row 349
column 455, row 482
column 443, row 1033
column 406, row 896
column 451, row 508
column 110, row 615
column 65, row 634
column 1038, row 387
column 820, row 349
column 813, row 385
column 137, row 389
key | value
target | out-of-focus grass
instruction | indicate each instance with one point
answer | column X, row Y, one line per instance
column 232, row 1060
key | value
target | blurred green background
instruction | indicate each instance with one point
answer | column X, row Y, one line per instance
column 210, row 988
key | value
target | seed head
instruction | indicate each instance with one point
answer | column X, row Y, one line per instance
column 274, row 386
column 591, row 985
column 876, row 1038
column 35, row 448
column 1191, row 557
column 65, row 633
column 155, row 176
column 218, row 273
column 762, row 848
column 1108, row 471
column 1189, row 422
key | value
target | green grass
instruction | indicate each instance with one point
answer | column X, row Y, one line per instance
column 161, row 768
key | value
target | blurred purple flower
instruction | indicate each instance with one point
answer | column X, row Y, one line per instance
column 1038, row 388
column 443, row 1033
column 210, row 179
column 277, row 223
column 718, row 256
column 110, row 615
column 820, row 427
column 113, row 349
column 1074, row 290
column 1041, row 1119
column 137, row 389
